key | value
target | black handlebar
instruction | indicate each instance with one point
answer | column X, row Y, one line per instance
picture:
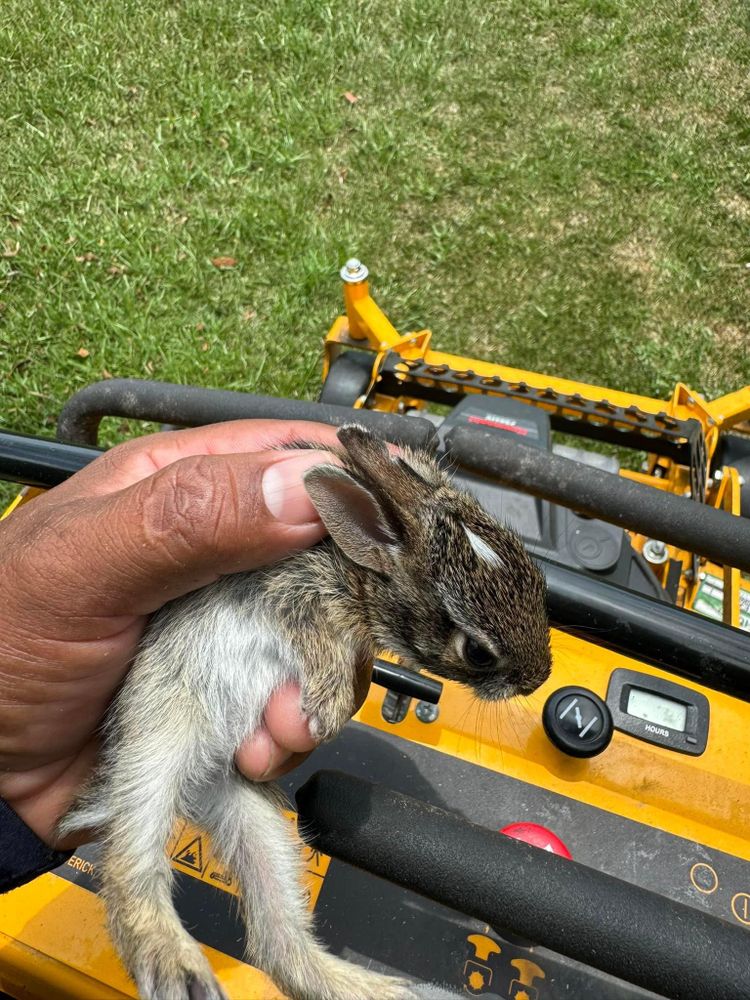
column 716, row 534
column 641, row 937
column 193, row 406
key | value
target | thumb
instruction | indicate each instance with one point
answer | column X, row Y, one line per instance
column 128, row 553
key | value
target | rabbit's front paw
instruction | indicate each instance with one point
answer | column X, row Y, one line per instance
column 327, row 712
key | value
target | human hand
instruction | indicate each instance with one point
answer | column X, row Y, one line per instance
column 83, row 566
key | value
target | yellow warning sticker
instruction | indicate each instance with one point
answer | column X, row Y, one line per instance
column 190, row 851
column 191, row 855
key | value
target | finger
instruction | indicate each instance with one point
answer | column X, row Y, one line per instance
column 134, row 460
column 261, row 759
column 286, row 721
column 130, row 552
column 258, row 756
column 288, row 765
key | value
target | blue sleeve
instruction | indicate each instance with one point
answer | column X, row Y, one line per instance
column 23, row 855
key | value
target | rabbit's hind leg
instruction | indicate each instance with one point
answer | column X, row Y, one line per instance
column 163, row 959
column 255, row 841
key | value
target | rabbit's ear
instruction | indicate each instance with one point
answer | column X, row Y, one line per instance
column 353, row 516
column 368, row 452
column 389, row 474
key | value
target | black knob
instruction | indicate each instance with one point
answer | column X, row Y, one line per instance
column 577, row 721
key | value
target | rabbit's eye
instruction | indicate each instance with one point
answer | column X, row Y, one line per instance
column 478, row 655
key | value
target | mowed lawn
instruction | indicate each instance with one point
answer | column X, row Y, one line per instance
column 559, row 186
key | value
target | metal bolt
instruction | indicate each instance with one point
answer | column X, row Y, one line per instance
column 395, row 707
column 353, row 272
column 655, row 552
column 426, row 712
column 741, row 480
column 719, row 475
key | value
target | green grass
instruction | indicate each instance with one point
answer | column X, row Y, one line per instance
column 563, row 187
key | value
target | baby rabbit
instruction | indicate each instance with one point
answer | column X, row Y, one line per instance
column 411, row 565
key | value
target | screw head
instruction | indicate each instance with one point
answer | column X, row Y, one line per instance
column 353, row 272
column 655, row 552
column 426, row 712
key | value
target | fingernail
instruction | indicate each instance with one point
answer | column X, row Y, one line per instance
column 276, row 758
column 284, row 492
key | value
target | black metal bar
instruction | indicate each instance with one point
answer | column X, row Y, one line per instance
column 35, row 461
column 672, row 949
column 681, row 642
column 716, row 534
column 407, row 682
column 191, row 406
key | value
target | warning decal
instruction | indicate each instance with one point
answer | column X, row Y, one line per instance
column 190, row 852
column 191, row 855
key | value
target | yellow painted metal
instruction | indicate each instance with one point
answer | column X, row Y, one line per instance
column 728, row 498
column 26, row 494
column 54, row 946
column 188, row 843
column 375, row 332
column 732, row 409
column 699, row 798
column 367, row 325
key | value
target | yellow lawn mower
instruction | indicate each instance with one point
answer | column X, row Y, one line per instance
column 589, row 843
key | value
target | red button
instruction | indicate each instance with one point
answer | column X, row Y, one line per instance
column 537, row 836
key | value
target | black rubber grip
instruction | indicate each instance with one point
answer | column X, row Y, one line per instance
column 672, row 949
column 193, row 406
column 716, row 534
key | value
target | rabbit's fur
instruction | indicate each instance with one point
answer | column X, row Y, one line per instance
column 411, row 565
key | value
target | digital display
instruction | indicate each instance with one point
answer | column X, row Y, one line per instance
column 655, row 708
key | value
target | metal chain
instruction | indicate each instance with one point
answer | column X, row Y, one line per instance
column 682, row 440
